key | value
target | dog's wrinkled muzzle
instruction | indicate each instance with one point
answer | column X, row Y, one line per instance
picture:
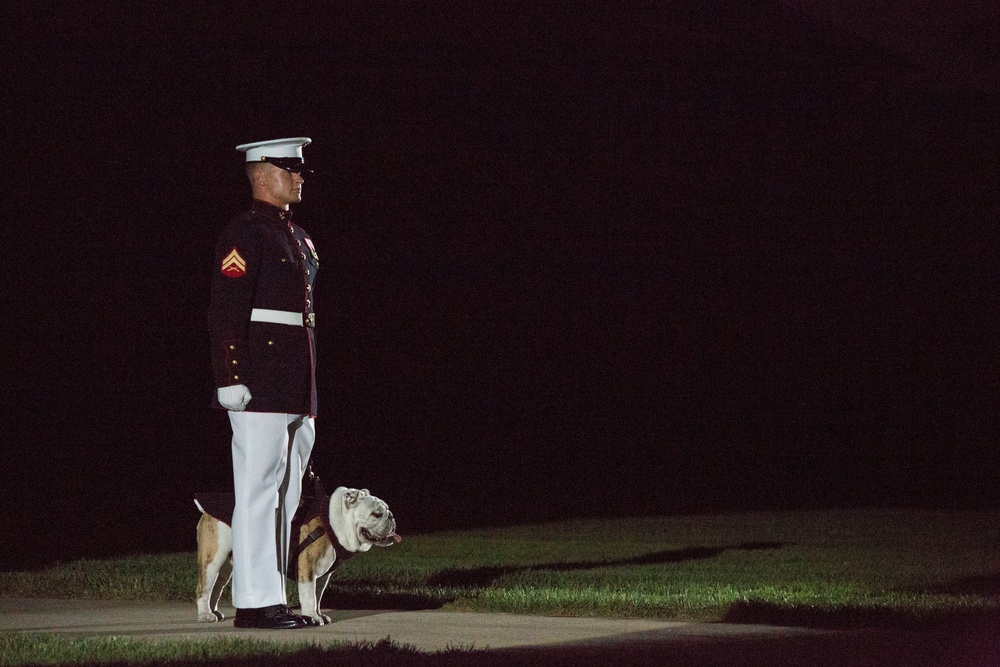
column 383, row 534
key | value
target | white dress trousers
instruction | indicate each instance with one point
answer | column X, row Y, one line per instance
column 270, row 455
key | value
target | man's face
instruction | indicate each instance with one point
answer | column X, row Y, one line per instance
column 280, row 187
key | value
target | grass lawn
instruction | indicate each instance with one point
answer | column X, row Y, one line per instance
column 829, row 568
column 901, row 563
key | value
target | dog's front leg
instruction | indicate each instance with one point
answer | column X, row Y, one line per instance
column 308, row 601
column 321, row 583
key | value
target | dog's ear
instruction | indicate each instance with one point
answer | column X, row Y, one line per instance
column 363, row 493
column 350, row 498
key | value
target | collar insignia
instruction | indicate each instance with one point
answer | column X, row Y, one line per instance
column 312, row 248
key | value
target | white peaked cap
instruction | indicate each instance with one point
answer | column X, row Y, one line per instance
column 274, row 148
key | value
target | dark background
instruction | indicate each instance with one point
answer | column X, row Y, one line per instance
column 581, row 259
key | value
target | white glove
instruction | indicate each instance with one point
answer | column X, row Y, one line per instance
column 234, row 397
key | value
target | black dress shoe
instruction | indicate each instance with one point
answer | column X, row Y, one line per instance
column 275, row 617
column 307, row 621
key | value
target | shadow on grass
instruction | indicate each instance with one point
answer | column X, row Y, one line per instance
column 755, row 612
column 988, row 584
column 852, row 617
column 483, row 577
column 470, row 579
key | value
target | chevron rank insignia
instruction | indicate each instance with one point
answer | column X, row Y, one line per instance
column 234, row 266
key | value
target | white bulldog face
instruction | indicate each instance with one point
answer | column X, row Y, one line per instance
column 371, row 519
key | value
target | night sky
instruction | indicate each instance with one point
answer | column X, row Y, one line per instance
column 577, row 259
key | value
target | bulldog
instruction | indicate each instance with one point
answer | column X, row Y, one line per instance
column 331, row 529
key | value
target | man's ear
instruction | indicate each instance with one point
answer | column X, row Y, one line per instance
column 255, row 173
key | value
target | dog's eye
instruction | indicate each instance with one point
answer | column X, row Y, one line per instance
column 377, row 515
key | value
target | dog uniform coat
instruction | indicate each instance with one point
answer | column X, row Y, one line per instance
column 220, row 506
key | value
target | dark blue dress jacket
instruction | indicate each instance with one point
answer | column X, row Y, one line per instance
column 263, row 260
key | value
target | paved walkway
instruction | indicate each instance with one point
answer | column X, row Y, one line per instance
column 579, row 640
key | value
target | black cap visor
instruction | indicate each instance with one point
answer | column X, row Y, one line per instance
column 296, row 165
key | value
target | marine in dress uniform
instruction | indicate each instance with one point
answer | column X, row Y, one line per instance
column 261, row 324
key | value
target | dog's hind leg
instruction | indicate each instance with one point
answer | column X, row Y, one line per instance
column 225, row 574
column 214, row 546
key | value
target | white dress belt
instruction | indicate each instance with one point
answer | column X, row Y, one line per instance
column 289, row 317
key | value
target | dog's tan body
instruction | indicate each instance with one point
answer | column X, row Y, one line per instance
column 357, row 519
